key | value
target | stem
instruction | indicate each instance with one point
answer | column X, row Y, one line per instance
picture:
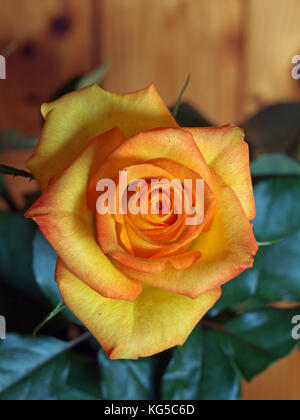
column 60, row 307
column 79, row 340
column 176, row 109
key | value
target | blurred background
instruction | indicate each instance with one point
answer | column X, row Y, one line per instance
column 238, row 53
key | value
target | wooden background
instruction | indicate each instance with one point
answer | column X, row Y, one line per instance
column 238, row 52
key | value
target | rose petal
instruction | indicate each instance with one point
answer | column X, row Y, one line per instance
column 227, row 250
column 62, row 215
column 73, row 120
column 226, row 152
column 155, row 321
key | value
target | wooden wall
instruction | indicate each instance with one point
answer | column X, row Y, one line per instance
column 238, row 52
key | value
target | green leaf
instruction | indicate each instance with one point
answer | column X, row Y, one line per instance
column 16, row 236
column 275, row 276
column 83, row 382
column 126, row 379
column 95, row 76
column 237, row 290
column 32, row 369
column 188, row 116
column 44, row 263
column 14, row 140
column 28, row 311
column 8, row 170
column 274, row 129
column 4, row 193
column 258, row 339
column 277, row 207
column 275, row 164
column 279, row 268
column 9, row 49
column 201, row 371
column 178, row 103
column 71, row 394
column 18, row 287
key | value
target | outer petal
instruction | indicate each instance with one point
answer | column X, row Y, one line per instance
column 155, row 321
column 62, row 215
column 226, row 153
column 227, row 250
column 75, row 119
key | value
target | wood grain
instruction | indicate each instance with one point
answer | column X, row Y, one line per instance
column 272, row 38
column 163, row 41
column 54, row 39
column 280, row 382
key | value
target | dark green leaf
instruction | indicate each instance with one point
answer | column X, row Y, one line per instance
column 71, row 394
column 15, row 140
column 259, row 339
column 32, row 369
column 275, row 164
column 188, row 116
column 20, row 311
column 126, row 379
column 16, row 236
column 275, row 277
column 274, row 129
column 4, row 193
column 83, row 382
column 95, row 76
column 201, row 371
column 8, row 170
column 44, row 263
column 278, row 208
column 279, row 268
column 278, row 215
column 249, row 305
column 9, row 49
column 237, row 290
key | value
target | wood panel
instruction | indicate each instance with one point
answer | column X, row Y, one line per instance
column 280, row 382
column 272, row 38
column 237, row 51
column 54, row 44
column 162, row 41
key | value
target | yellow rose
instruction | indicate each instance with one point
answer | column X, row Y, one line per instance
column 139, row 284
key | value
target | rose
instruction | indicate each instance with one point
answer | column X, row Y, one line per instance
column 139, row 284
